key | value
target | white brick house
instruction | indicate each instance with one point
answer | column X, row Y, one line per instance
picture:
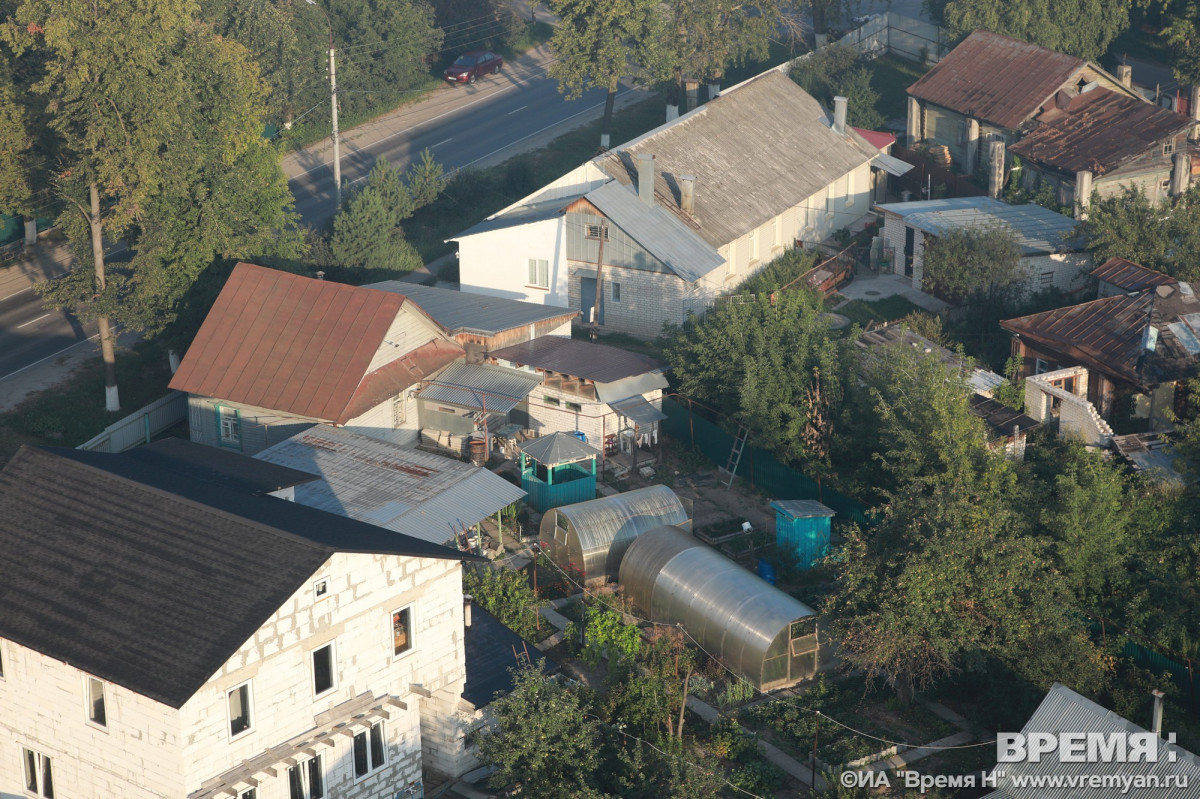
column 170, row 629
column 686, row 212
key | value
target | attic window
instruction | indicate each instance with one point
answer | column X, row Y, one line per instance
column 1169, row 148
column 321, row 588
column 595, row 231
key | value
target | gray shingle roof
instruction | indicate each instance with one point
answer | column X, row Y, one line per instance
column 1039, row 230
column 558, row 448
column 538, row 211
column 133, row 567
column 464, row 312
column 598, row 362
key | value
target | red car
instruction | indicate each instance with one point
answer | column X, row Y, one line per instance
column 470, row 66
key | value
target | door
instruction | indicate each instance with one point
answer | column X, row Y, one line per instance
column 910, row 241
column 587, row 300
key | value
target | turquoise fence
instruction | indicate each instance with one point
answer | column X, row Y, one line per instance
column 758, row 466
column 1181, row 669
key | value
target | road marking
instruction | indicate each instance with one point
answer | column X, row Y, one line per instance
column 31, row 321
column 439, row 144
column 515, row 110
column 15, row 293
column 48, row 357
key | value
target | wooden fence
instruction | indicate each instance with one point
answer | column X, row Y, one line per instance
column 141, row 426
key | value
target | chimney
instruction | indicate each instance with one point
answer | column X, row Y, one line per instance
column 693, row 93
column 645, row 169
column 996, row 173
column 687, row 194
column 320, row 274
column 1156, row 725
column 1083, row 193
column 714, row 88
column 467, row 600
column 1125, row 75
column 672, row 111
column 839, row 115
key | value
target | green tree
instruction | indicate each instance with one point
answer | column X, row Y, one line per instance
column 16, row 146
column 1183, row 37
column 1165, row 237
column 840, row 70
column 505, row 594
column 607, row 633
column 976, row 265
column 543, row 738
column 1082, row 28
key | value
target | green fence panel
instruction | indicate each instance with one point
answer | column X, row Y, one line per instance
column 11, row 228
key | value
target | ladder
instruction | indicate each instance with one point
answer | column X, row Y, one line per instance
column 735, row 454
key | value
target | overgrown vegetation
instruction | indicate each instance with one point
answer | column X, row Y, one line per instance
column 1165, row 236
column 841, row 70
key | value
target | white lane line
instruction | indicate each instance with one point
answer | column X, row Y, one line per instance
column 31, row 321
column 515, row 110
column 443, row 141
column 15, row 293
column 48, row 357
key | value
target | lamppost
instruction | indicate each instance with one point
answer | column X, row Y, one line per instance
column 337, row 153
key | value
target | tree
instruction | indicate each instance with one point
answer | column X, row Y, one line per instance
column 505, row 594
column 1082, row 28
column 1165, row 237
column 16, row 144
column 840, row 70
column 976, row 265
column 543, row 738
column 1183, row 37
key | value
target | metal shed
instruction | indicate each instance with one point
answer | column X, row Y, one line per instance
column 593, row 536
column 756, row 630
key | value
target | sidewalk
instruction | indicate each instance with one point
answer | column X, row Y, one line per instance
column 45, row 260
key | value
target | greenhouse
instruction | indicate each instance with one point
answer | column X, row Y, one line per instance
column 592, row 536
column 753, row 628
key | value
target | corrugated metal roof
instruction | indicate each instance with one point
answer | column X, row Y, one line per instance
column 877, row 138
column 756, row 150
column 628, row 386
column 419, row 494
column 303, row 346
column 1039, row 230
column 599, row 362
column 1099, row 131
column 996, row 79
column 481, row 314
column 896, row 334
column 481, row 386
column 558, row 448
column 1000, row 418
column 802, row 508
column 638, row 409
column 521, row 215
column 665, row 237
column 1064, row 711
column 1128, row 276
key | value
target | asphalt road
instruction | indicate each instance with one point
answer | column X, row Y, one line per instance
column 461, row 125
column 30, row 333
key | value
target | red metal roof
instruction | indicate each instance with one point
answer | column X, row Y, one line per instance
column 1098, row 131
column 1128, row 276
column 876, row 138
column 301, row 346
column 996, row 79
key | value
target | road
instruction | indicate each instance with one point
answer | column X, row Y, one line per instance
column 30, row 333
column 461, row 125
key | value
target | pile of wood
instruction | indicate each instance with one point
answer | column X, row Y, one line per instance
column 939, row 154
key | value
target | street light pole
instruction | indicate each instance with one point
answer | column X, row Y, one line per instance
column 333, row 105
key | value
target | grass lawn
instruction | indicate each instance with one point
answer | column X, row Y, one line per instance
column 887, row 309
column 73, row 412
column 890, row 77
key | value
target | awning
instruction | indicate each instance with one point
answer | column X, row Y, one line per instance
column 481, row 387
column 631, row 386
column 891, row 164
column 638, row 409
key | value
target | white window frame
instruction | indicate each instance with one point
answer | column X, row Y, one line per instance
column 849, row 189
column 731, row 260
column 333, row 670
column 320, row 589
column 754, row 259
column 411, row 608
column 90, row 683
column 1168, row 148
column 249, row 709
column 777, row 231
column 539, row 274
column 229, row 427
column 591, row 231
column 399, row 412
column 616, row 291
column 830, row 202
column 303, row 770
column 35, row 780
column 249, row 793
column 368, row 736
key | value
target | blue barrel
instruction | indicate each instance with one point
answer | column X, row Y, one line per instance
column 580, row 435
column 766, row 570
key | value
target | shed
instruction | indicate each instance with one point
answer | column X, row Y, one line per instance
column 802, row 526
column 593, row 536
column 753, row 628
column 558, row 469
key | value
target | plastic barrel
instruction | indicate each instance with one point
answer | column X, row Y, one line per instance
column 766, row 570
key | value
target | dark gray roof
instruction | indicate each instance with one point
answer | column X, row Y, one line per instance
column 492, row 651
column 481, row 314
column 538, row 211
column 1038, row 230
column 134, row 567
column 598, row 362
column 558, row 448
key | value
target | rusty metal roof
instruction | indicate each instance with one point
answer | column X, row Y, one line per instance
column 996, row 79
column 289, row 343
column 597, row 362
column 1099, row 131
column 1128, row 276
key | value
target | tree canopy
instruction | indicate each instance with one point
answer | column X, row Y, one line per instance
column 965, row 264
column 1165, row 237
column 1083, row 28
column 840, row 70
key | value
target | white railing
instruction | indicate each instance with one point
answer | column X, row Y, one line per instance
column 141, row 426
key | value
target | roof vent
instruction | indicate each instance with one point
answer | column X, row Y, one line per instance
column 839, row 115
column 1150, row 338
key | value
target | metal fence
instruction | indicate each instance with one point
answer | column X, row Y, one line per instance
column 141, row 426
column 896, row 34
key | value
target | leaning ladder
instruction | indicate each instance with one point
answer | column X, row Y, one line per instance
column 735, row 454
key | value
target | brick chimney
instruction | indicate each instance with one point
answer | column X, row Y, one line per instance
column 687, row 194
column 996, row 173
column 1083, row 193
column 645, row 170
column 839, row 115
column 1125, row 75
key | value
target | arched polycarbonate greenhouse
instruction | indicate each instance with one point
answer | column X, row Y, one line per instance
column 592, row 536
column 756, row 630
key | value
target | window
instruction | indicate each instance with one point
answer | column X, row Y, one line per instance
column 850, row 189
column 574, row 406
column 1164, row 186
column 249, row 793
column 398, row 414
column 368, row 750
column 95, row 702
column 539, row 273
column 238, row 700
column 324, row 673
column 1169, row 148
column 731, row 260
column 616, row 292
column 830, row 201
column 1040, row 367
column 229, row 423
column 595, row 231
column 551, row 400
column 307, row 780
column 1046, row 279
column 321, row 588
column 401, row 631
column 39, row 779
column 777, row 232
column 753, row 247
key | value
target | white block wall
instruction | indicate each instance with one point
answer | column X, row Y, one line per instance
column 497, row 262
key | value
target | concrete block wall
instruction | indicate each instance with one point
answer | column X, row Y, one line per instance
column 1069, row 271
column 43, row 708
column 595, row 420
column 648, row 299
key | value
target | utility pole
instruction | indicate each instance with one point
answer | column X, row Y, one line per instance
column 333, row 105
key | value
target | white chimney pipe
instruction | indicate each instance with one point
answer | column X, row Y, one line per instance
column 467, row 600
column 839, row 115
column 1156, row 725
column 687, row 194
column 645, row 168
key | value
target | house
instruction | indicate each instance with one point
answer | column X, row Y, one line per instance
column 481, row 323
column 993, row 88
column 1132, row 351
column 279, row 353
column 418, row 494
column 681, row 214
column 883, row 142
column 1164, row 767
column 1052, row 256
column 173, row 626
column 1122, row 276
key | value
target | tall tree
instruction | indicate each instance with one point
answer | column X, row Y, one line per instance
column 975, row 265
column 706, row 37
column 16, row 145
column 1083, row 28
column 1165, row 237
